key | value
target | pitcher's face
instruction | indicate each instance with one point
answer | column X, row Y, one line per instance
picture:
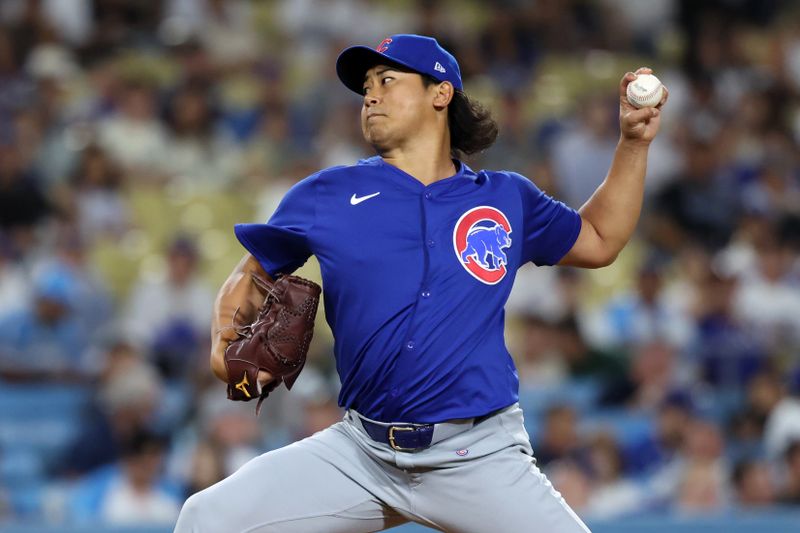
column 395, row 104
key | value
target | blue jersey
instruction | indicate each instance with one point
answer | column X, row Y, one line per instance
column 415, row 279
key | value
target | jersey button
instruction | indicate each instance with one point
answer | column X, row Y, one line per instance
column 395, row 392
column 431, row 243
column 410, row 345
column 426, row 294
column 428, row 195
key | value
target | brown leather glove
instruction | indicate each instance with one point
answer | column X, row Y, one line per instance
column 277, row 341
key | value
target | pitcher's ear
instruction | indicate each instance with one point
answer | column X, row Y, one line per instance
column 444, row 95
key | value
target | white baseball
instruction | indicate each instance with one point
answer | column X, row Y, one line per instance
column 645, row 91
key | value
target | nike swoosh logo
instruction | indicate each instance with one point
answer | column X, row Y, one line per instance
column 354, row 200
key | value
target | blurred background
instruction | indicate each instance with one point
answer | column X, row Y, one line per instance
column 660, row 393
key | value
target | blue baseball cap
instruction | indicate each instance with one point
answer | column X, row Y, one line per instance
column 415, row 52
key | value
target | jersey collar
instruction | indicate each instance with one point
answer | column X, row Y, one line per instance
column 463, row 172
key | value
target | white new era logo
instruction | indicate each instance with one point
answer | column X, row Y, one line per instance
column 438, row 66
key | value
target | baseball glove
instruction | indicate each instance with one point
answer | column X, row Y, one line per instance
column 277, row 341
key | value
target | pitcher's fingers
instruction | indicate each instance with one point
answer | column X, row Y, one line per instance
column 264, row 377
column 623, row 85
column 641, row 115
column 663, row 98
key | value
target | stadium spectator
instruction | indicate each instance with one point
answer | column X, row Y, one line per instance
column 15, row 284
column 98, row 201
column 702, row 480
column 507, row 48
column 131, row 491
column 563, row 285
column 558, row 438
column 752, row 484
column 584, row 361
column 17, row 91
column 133, row 136
column 790, row 494
column 231, row 430
column 774, row 189
column 200, row 160
column 656, row 452
column 23, row 203
column 170, row 316
column 700, row 205
column 782, row 415
column 700, row 490
column 538, row 361
column 745, row 431
column 514, row 144
column 573, row 483
column 612, row 495
column 87, row 295
column 46, row 340
column 643, row 314
column 769, row 299
column 652, row 374
column 583, row 148
column 725, row 350
column 127, row 399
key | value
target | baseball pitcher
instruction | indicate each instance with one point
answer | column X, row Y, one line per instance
column 418, row 253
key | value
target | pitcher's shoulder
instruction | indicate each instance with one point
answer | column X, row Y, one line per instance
column 503, row 178
column 339, row 172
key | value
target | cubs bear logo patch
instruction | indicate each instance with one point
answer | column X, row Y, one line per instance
column 480, row 239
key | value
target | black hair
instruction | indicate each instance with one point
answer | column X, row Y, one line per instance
column 472, row 128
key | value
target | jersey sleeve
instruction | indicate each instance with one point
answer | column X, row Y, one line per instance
column 282, row 244
column 551, row 227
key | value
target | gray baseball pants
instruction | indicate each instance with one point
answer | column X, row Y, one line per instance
column 483, row 480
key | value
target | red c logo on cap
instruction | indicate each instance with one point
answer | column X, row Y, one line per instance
column 383, row 46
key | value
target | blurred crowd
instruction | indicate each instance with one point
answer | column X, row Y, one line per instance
column 133, row 134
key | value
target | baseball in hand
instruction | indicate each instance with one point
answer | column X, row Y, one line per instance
column 645, row 91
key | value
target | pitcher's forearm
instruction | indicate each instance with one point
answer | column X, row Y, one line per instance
column 615, row 206
column 238, row 298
